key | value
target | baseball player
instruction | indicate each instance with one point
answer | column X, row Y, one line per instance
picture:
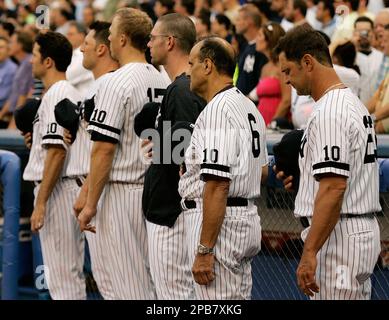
column 116, row 164
column 171, row 40
column 225, row 162
column 55, row 189
column 338, row 190
column 96, row 58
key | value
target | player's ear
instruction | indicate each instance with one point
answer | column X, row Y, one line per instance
column 307, row 62
column 123, row 40
column 48, row 63
column 101, row 48
column 207, row 65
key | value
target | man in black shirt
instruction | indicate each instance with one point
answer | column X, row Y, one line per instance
column 250, row 61
column 171, row 40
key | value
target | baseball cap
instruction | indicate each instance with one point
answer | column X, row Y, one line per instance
column 67, row 114
column 89, row 106
column 24, row 116
column 146, row 118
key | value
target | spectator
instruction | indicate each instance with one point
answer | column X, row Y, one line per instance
column 231, row 9
column 163, row 7
column 20, row 48
column 279, row 7
column 325, row 14
column 381, row 20
column 6, row 29
column 60, row 18
column 375, row 6
column 25, row 15
column 356, row 8
column 250, row 61
column 7, row 71
column 186, row 8
column 203, row 24
column 88, row 16
column 311, row 13
column 220, row 26
column 296, row 11
column 379, row 104
column 368, row 58
column 272, row 92
column 76, row 74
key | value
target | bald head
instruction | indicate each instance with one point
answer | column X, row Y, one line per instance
column 381, row 20
column 220, row 52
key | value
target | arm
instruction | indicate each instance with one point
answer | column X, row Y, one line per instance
column 327, row 206
column 214, row 208
column 371, row 105
column 284, row 105
column 54, row 162
column 81, row 199
column 265, row 173
column 100, row 168
column 382, row 113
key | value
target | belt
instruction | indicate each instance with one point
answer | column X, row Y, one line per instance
column 79, row 180
column 305, row 221
column 231, row 202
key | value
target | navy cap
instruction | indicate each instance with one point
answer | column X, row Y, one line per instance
column 25, row 115
column 146, row 118
column 67, row 114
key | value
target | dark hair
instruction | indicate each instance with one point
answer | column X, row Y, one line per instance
column 26, row 40
column 263, row 6
column 346, row 54
column 355, row 4
column 55, row 46
column 300, row 5
column 9, row 27
column 222, row 19
column 189, row 5
column 303, row 40
column 324, row 35
column 66, row 14
column 386, row 27
column 273, row 32
column 364, row 19
column 205, row 18
column 80, row 27
column 222, row 56
column 168, row 4
column 329, row 5
column 182, row 28
column 101, row 29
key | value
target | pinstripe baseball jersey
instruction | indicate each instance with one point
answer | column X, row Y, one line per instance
column 340, row 139
column 81, row 148
column 229, row 140
column 116, row 104
column 46, row 130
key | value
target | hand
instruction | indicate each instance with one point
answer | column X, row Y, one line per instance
column 287, row 181
column 85, row 217
column 203, row 269
column 37, row 218
column 146, row 147
column 67, row 137
column 80, row 202
column 306, row 274
column 27, row 139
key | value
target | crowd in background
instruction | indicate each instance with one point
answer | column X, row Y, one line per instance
column 357, row 32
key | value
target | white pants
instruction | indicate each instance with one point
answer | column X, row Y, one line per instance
column 347, row 259
column 122, row 242
column 238, row 242
column 63, row 244
column 169, row 262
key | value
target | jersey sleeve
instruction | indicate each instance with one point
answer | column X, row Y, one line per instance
column 220, row 143
column 52, row 132
column 329, row 141
column 107, row 118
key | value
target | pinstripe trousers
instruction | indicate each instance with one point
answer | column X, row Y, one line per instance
column 347, row 259
column 122, row 243
column 169, row 263
column 238, row 242
column 63, row 244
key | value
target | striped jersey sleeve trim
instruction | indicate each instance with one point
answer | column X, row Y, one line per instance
column 52, row 137
column 105, row 127
column 331, row 164
column 214, row 166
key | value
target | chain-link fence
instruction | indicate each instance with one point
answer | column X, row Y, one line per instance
column 274, row 269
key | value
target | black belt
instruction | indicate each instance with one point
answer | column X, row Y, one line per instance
column 231, row 202
column 305, row 222
column 78, row 180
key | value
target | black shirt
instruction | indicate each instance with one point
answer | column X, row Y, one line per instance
column 161, row 200
column 250, row 66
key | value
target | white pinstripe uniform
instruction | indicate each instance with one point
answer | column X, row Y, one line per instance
column 120, row 221
column 340, row 139
column 61, row 239
column 228, row 141
column 79, row 167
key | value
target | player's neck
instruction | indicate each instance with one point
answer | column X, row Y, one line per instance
column 51, row 78
column 131, row 55
column 104, row 66
column 325, row 81
column 176, row 65
column 217, row 85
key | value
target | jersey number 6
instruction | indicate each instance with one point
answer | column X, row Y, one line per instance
column 255, row 143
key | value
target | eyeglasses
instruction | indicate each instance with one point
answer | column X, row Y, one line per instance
column 153, row 36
